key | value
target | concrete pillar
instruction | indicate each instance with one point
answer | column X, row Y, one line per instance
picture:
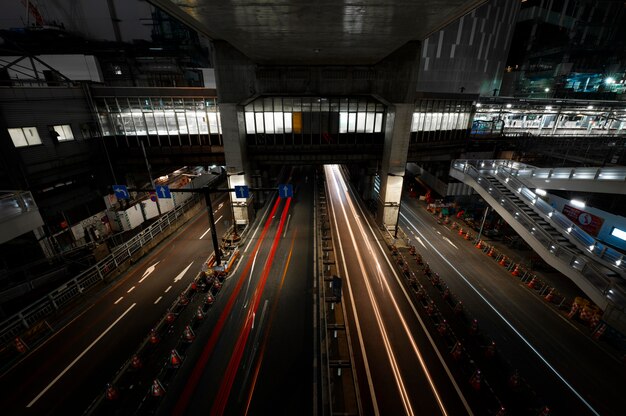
column 397, row 134
column 234, row 135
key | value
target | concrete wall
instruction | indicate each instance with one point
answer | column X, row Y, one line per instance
column 470, row 52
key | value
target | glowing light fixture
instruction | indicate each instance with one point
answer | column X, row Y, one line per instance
column 577, row 203
column 540, row 191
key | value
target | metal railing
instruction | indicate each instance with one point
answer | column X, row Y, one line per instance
column 61, row 296
column 578, row 262
column 508, row 172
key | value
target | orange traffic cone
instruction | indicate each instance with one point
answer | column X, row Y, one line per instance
column 515, row 271
column 430, row 309
column 457, row 350
column 111, row 392
column 442, row 328
column 446, row 220
column 490, row 350
column 468, row 236
column 210, row 299
column 514, row 381
column 135, row 362
column 175, row 359
column 532, row 283
column 490, row 252
column 458, row 308
column 199, row 313
column 502, row 261
column 473, row 326
column 454, row 225
column 183, row 299
column 475, row 380
column 157, row 389
column 460, row 231
column 446, row 294
column 545, row 411
column 20, row 346
column 170, row 317
column 154, row 338
column 188, row 334
column 479, row 244
column 550, row 295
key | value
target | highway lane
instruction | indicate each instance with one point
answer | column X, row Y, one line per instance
column 231, row 361
column 399, row 368
column 569, row 371
column 64, row 374
column 279, row 367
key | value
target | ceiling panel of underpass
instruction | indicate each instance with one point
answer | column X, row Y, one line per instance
column 317, row 31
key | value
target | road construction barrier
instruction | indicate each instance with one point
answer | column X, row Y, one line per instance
column 111, row 392
column 154, row 337
column 175, row 359
column 188, row 334
column 457, row 351
column 135, row 362
column 475, row 380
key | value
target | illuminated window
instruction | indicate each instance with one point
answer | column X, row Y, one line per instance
column 24, row 136
column 621, row 234
column 64, row 132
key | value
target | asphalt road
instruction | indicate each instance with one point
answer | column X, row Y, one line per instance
column 63, row 375
column 255, row 356
column 570, row 372
column 399, row 368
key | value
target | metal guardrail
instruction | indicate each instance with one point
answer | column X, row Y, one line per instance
column 61, row 296
column 582, row 264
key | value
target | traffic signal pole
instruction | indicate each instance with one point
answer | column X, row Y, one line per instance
column 216, row 246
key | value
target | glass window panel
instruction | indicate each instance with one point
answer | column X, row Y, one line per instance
column 414, row 121
column 250, row 122
column 159, row 119
column 343, row 122
column 182, row 123
column 18, row 138
column 351, row 122
column 170, row 118
column 360, row 122
column 259, row 122
column 269, row 122
column 288, row 119
column 278, row 122
column 192, row 122
column 214, row 123
column 150, row 124
column 278, row 104
column 369, row 122
column 64, row 132
column 104, row 124
column 32, row 135
column 378, row 125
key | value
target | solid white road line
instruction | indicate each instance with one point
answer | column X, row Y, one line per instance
column 85, row 351
column 119, row 300
column 205, row 233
